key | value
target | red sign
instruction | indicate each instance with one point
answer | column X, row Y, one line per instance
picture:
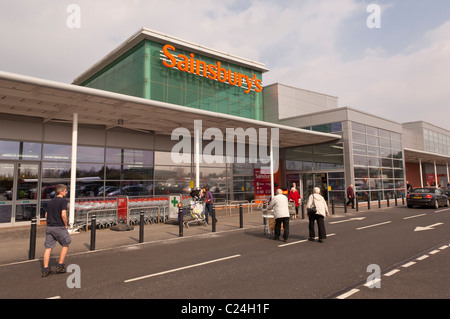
column 262, row 184
column 122, row 209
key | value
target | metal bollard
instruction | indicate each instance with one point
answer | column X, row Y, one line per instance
column 303, row 209
column 395, row 198
column 387, row 198
column 180, row 222
column 379, row 201
column 141, row 228
column 332, row 206
column 213, row 216
column 93, row 230
column 345, row 205
column 32, row 251
column 357, row 203
column 241, row 217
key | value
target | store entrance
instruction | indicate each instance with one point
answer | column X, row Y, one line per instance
column 18, row 192
column 315, row 180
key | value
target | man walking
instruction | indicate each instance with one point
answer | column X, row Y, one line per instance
column 351, row 196
column 56, row 215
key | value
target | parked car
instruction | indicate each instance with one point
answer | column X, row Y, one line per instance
column 431, row 197
column 446, row 191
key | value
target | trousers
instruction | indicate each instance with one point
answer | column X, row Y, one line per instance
column 320, row 224
column 285, row 221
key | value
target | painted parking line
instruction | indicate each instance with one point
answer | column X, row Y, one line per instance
column 348, row 294
column 415, row 216
column 301, row 241
column 392, row 272
column 181, row 268
column 365, row 227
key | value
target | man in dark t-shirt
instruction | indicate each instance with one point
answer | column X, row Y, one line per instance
column 56, row 214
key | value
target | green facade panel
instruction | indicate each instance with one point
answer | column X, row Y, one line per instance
column 141, row 72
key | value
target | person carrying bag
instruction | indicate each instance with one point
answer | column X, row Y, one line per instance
column 317, row 209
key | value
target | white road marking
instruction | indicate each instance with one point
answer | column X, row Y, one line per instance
column 433, row 252
column 414, row 216
column 409, row 264
column 348, row 294
column 422, row 257
column 393, row 272
column 181, row 268
column 301, row 241
column 56, row 297
column 360, row 228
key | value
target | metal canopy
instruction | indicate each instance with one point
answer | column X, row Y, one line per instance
column 55, row 101
column 417, row 156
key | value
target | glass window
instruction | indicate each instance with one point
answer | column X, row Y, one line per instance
column 128, row 156
column 165, row 158
column 55, row 170
column 361, row 161
column 358, row 127
column 361, row 172
column 9, row 150
column 372, row 130
column 90, row 154
column 56, row 152
column 385, row 143
column 359, row 138
column 30, row 151
column 384, row 133
column 372, row 140
column 359, row 149
column 373, row 151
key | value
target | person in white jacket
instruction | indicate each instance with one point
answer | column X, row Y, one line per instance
column 316, row 200
column 280, row 206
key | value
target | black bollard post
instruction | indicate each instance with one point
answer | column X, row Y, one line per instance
column 241, row 217
column 303, row 209
column 368, row 203
column 180, row 222
column 379, row 201
column 395, row 198
column 332, row 206
column 357, row 202
column 387, row 198
column 403, row 198
column 345, row 205
column 93, row 230
column 213, row 213
column 141, row 228
column 32, row 251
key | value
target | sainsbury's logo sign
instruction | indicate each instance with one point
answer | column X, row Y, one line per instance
column 211, row 71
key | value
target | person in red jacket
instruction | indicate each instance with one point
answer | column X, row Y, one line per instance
column 351, row 196
column 294, row 196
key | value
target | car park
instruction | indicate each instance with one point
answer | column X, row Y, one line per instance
column 429, row 197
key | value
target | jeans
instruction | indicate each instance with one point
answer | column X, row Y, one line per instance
column 208, row 211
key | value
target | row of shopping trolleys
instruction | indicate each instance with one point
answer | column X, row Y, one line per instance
column 155, row 211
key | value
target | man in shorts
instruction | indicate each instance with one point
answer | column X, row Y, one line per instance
column 56, row 214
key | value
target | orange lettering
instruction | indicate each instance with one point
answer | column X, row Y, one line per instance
column 212, row 74
column 169, row 55
column 220, row 71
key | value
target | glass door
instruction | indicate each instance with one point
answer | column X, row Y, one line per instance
column 26, row 192
column 7, row 192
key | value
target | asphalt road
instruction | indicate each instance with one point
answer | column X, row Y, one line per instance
column 244, row 264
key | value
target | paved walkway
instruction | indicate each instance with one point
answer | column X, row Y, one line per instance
column 15, row 241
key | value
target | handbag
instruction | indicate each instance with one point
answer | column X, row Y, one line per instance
column 313, row 209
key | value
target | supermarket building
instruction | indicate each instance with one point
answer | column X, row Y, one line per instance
column 111, row 132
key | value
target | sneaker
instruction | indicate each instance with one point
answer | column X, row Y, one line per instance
column 60, row 269
column 46, row 272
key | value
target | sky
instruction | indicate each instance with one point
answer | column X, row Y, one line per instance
column 393, row 62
